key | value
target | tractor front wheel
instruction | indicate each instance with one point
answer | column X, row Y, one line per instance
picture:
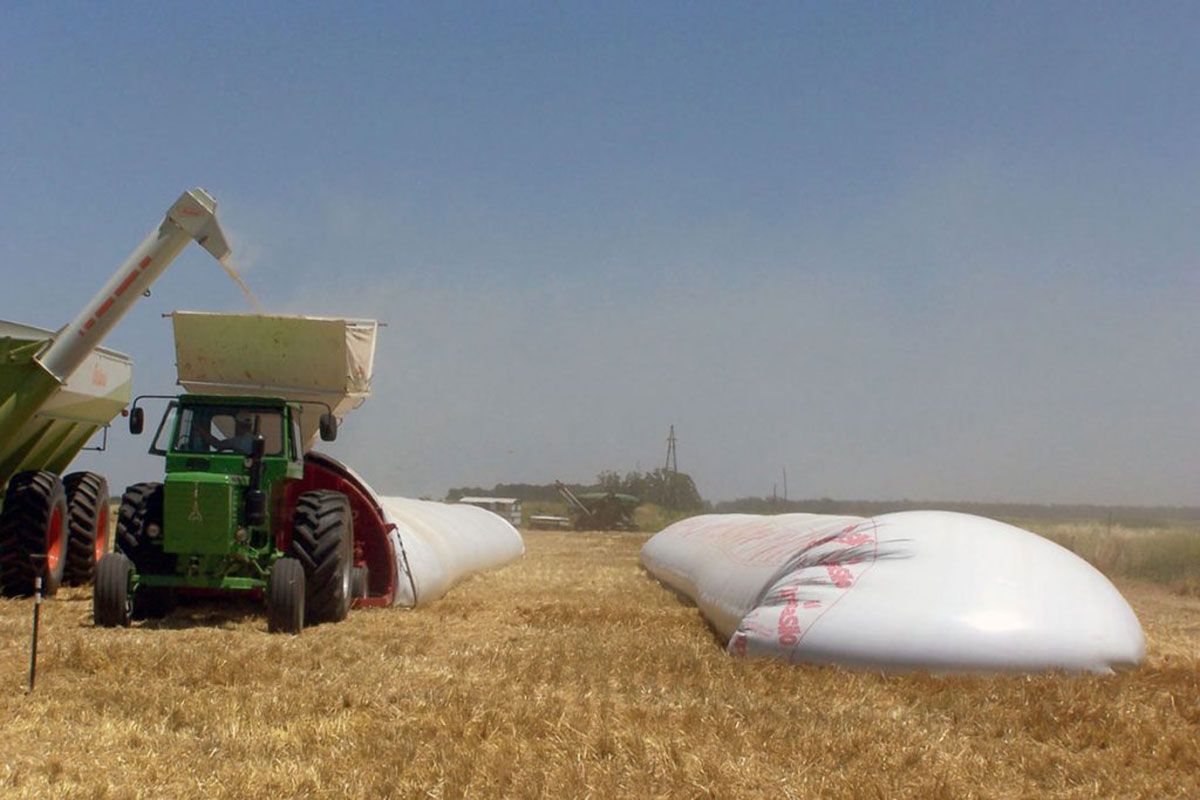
column 33, row 533
column 112, row 601
column 139, row 525
column 285, row 597
column 323, row 541
column 87, row 525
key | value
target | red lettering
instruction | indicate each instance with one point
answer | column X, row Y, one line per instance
column 789, row 624
column 840, row 576
column 125, row 284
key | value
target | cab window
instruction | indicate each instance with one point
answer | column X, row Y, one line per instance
column 226, row 429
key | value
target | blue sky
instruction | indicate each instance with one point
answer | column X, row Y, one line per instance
column 933, row 251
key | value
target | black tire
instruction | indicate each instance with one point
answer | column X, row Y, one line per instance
column 87, row 525
column 33, row 524
column 285, row 597
column 139, row 529
column 359, row 582
column 112, row 602
column 323, row 543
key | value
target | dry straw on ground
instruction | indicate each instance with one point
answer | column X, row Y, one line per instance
column 568, row 674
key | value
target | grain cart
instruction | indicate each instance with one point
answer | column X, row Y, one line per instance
column 245, row 506
column 57, row 389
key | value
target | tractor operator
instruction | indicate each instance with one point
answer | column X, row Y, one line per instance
column 241, row 441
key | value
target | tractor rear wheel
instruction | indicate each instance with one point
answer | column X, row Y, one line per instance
column 323, row 542
column 112, row 602
column 139, row 522
column 33, row 526
column 87, row 525
column 285, row 597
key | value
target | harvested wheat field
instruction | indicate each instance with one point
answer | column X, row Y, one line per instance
column 568, row 674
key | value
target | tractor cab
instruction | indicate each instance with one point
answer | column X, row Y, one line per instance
column 218, row 435
column 227, row 463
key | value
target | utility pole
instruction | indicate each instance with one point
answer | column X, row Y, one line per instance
column 785, row 484
column 671, row 468
column 672, row 464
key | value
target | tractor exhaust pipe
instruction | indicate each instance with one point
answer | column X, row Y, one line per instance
column 194, row 216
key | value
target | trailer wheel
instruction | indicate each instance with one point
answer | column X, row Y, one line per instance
column 285, row 597
column 323, row 542
column 33, row 524
column 112, row 601
column 139, row 522
column 87, row 525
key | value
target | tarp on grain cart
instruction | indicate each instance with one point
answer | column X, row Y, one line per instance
column 312, row 360
column 440, row 544
column 916, row 590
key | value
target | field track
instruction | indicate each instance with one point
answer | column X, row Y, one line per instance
column 568, row 674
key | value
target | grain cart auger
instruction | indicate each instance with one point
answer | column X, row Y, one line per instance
column 245, row 506
column 56, row 391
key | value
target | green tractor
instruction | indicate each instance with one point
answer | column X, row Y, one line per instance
column 230, row 517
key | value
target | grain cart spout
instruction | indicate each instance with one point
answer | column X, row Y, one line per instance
column 193, row 216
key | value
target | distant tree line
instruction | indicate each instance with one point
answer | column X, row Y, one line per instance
column 1130, row 516
column 673, row 490
column 677, row 491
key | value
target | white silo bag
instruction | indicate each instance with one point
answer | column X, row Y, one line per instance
column 439, row 544
column 913, row 590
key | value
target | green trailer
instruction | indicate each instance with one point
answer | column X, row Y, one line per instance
column 57, row 390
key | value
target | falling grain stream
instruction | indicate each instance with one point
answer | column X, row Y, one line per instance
column 230, row 270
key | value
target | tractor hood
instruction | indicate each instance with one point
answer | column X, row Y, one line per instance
column 200, row 512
